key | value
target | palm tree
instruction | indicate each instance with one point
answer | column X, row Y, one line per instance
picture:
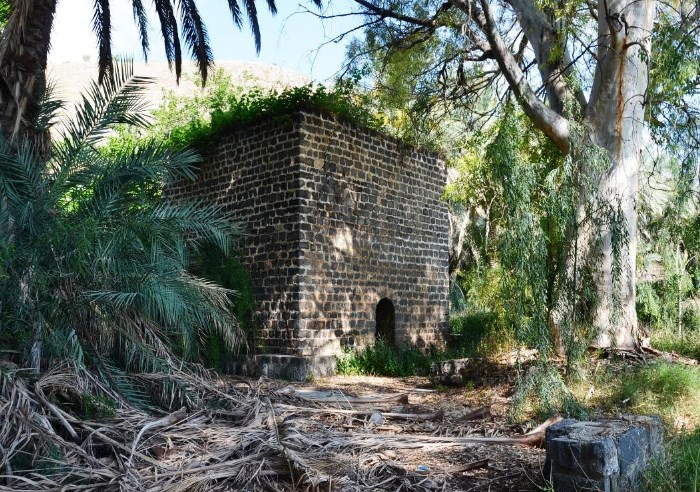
column 93, row 265
column 26, row 36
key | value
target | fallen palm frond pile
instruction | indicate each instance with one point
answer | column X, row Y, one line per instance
column 240, row 438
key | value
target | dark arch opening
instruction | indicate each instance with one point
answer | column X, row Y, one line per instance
column 386, row 322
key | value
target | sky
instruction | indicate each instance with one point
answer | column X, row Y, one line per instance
column 292, row 39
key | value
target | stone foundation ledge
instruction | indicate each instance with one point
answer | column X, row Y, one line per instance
column 275, row 366
column 606, row 455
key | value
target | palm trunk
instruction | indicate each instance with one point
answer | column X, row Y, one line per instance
column 615, row 119
column 24, row 49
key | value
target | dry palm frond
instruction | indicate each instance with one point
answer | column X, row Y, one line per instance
column 240, row 437
column 248, row 442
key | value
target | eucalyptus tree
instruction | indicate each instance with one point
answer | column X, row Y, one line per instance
column 599, row 79
column 26, row 38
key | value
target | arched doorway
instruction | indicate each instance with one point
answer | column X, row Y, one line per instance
column 386, row 323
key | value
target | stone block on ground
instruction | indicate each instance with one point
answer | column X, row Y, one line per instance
column 606, row 455
column 293, row 368
column 457, row 371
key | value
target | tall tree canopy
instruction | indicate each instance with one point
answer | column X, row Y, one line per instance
column 616, row 75
column 26, row 37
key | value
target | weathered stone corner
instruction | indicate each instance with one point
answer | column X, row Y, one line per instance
column 603, row 456
column 346, row 236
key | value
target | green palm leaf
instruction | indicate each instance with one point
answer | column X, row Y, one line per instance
column 95, row 263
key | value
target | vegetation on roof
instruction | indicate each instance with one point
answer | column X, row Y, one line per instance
column 198, row 120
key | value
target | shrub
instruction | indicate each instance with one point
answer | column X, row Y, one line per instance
column 479, row 334
column 691, row 319
column 228, row 271
column 97, row 265
column 649, row 309
column 198, row 120
column 381, row 359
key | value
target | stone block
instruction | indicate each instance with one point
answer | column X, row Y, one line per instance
column 610, row 454
column 592, row 457
column 456, row 371
column 295, row 368
column 633, row 450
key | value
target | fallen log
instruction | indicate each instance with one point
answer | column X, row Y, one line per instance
column 534, row 438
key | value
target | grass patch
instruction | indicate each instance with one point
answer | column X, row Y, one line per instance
column 679, row 471
column 381, row 359
column 669, row 390
column 471, row 335
column 687, row 345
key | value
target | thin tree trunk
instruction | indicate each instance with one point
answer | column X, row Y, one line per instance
column 35, row 354
column 24, row 48
column 679, row 272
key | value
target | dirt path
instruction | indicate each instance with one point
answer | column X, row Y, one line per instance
column 509, row 468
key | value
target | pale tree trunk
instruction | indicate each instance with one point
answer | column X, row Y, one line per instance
column 614, row 116
column 614, row 120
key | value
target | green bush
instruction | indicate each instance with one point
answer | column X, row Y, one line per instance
column 381, row 359
column 237, row 106
column 95, row 267
column 691, row 319
column 229, row 272
column 478, row 334
column 649, row 309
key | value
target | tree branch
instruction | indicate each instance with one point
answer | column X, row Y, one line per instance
column 543, row 38
column 555, row 126
column 382, row 12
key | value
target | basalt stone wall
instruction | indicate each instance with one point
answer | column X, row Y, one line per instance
column 253, row 174
column 336, row 219
column 373, row 227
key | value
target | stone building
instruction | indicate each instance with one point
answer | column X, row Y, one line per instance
column 346, row 238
